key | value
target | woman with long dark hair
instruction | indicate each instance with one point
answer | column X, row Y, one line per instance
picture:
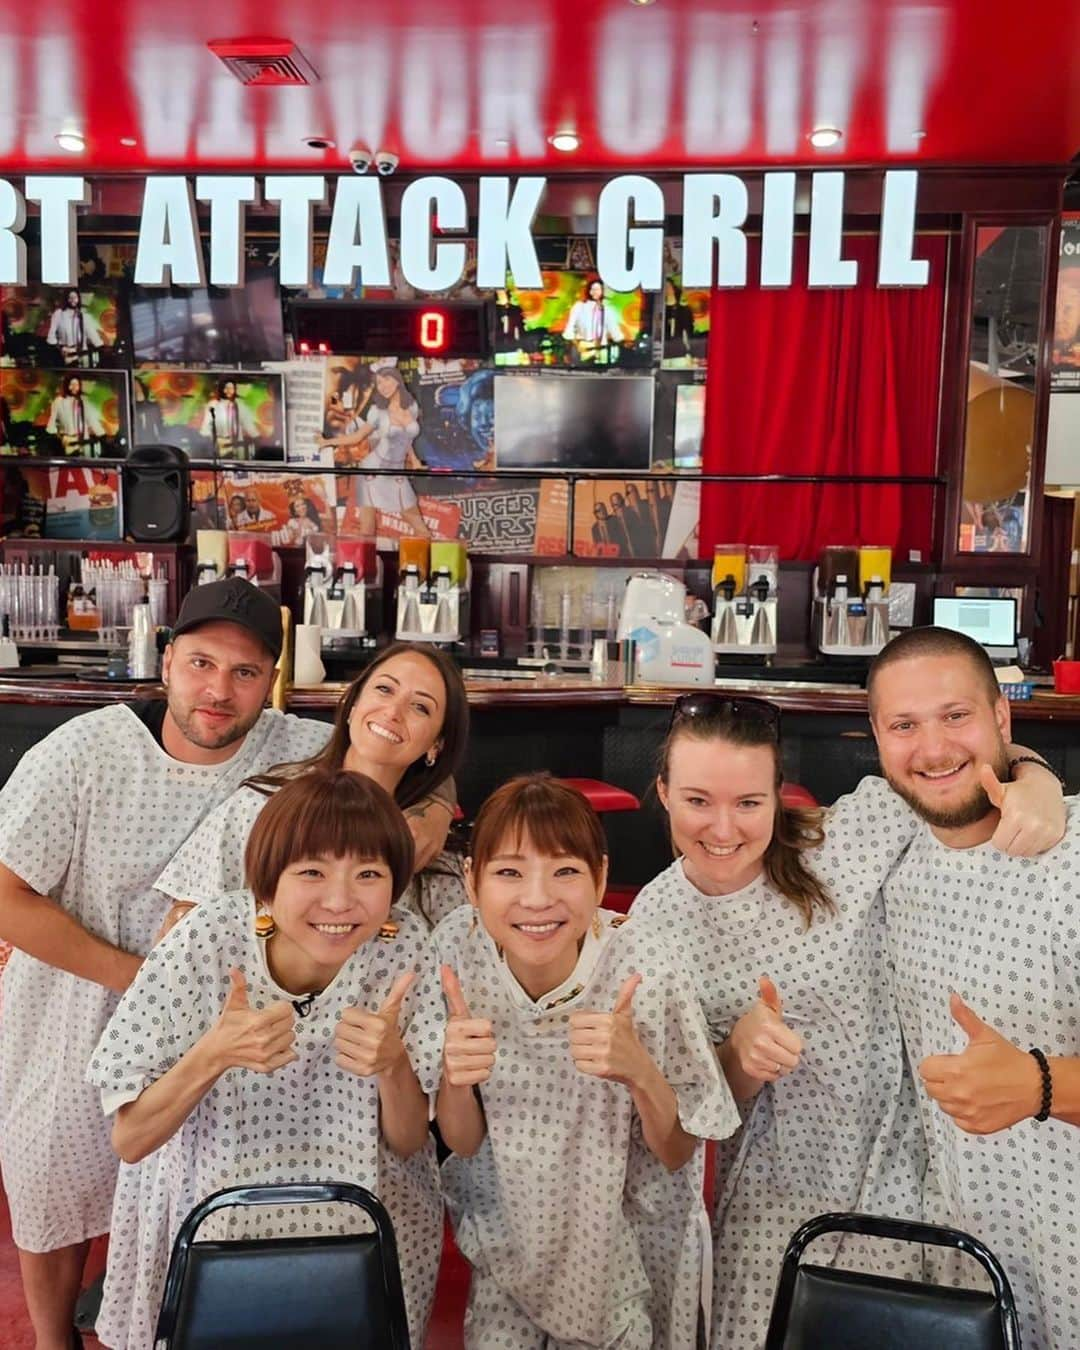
column 403, row 722
column 777, row 912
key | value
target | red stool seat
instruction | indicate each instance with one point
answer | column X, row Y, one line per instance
column 791, row 794
column 603, row 796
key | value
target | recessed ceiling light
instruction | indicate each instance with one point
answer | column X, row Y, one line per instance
column 71, row 140
column 918, row 135
column 821, row 138
column 128, row 140
column 502, row 140
column 640, row 4
column 319, row 143
column 564, row 141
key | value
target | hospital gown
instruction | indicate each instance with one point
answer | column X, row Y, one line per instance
column 541, row 1211
column 841, row 1132
column 89, row 817
column 1003, row 933
column 309, row 1121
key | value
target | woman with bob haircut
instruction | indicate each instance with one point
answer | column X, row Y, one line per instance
column 404, row 722
column 272, row 1037
column 576, row 1065
column 776, row 913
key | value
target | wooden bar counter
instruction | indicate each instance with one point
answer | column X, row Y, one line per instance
column 573, row 726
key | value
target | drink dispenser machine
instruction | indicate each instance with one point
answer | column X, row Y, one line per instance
column 851, row 600
column 745, row 593
column 433, row 591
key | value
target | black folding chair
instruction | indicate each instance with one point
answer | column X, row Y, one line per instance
column 335, row 1292
column 823, row 1308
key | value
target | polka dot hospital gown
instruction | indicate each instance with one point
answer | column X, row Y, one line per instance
column 1003, row 933
column 90, row 816
column 211, row 863
column 544, row 1210
column 310, row 1121
column 841, row 1132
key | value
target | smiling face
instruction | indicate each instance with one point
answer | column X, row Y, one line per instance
column 537, row 909
column 217, row 679
column 397, row 717
column 721, row 801
column 386, row 384
column 935, row 726
column 325, row 909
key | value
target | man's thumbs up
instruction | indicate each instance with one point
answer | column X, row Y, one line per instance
column 992, row 786
column 625, row 1001
column 974, row 1027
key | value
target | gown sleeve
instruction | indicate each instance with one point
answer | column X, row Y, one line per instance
column 210, row 862
column 873, row 821
column 39, row 809
column 173, row 1001
column 672, row 1027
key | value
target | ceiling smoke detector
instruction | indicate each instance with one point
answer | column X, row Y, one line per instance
column 264, row 61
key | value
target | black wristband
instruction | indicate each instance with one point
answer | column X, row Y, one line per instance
column 1034, row 759
column 1047, row 1083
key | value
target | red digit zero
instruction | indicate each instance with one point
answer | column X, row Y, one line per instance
column 433, row 330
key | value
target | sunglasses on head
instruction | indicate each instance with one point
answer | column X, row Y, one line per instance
column 722, row 705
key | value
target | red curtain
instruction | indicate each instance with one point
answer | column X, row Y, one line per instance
column 824, row 382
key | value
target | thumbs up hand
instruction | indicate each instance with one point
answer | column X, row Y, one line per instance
column 988, row 1086
column 1032, row 810
column 606, row 1044
column 244, row 1039
column 369, row 1044
column 469, row 1047
column 764, row 1047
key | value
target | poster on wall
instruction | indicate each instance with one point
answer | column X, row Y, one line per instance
column 83, row 503
column 211, row 414
column 49, row 327
column 24, row 493
column 1065, row 352
column 64, row 412
column 284, row 507
column 636, row 518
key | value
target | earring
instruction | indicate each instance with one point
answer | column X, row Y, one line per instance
column 388, row 931
column 430, row 758
column 596, row 923
column 265, row 927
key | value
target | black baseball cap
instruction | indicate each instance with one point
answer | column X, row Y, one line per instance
column 232, row 600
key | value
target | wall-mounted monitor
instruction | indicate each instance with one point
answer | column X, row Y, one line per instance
column 79, row 327
column 574, row 320
column 64, row 412
column 209, row 326
column 573, row 422
column 211, row 414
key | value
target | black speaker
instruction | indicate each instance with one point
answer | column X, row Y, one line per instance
column 157, row 494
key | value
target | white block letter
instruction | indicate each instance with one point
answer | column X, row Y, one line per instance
column 227, row 198
column 357, row 239
column 827, row 267
column 628, row 256
column 896, row 266
column 59, row 238
column 504, row 235
column 715, row 206
column 168, row 250
column 297, row 196
column 426, row 266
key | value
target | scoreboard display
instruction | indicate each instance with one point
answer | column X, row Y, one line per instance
column 391, row 328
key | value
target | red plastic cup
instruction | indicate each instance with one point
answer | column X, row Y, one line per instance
column 1067, row 677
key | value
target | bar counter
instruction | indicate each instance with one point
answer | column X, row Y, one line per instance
column 575, row 727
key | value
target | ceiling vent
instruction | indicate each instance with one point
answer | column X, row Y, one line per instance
column 264, row 61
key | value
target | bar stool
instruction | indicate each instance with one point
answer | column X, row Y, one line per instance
column 603, row 797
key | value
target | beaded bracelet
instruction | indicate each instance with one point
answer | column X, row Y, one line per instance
column 1034, row 759
column 1047, row 1083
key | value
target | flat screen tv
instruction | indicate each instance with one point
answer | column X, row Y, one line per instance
column 209, row 326
column 64, row 412
column 573, row 421
column 211, row 414
column 79, row 327
column 574, row 320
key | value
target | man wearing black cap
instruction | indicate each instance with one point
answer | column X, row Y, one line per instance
column 88, row 820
